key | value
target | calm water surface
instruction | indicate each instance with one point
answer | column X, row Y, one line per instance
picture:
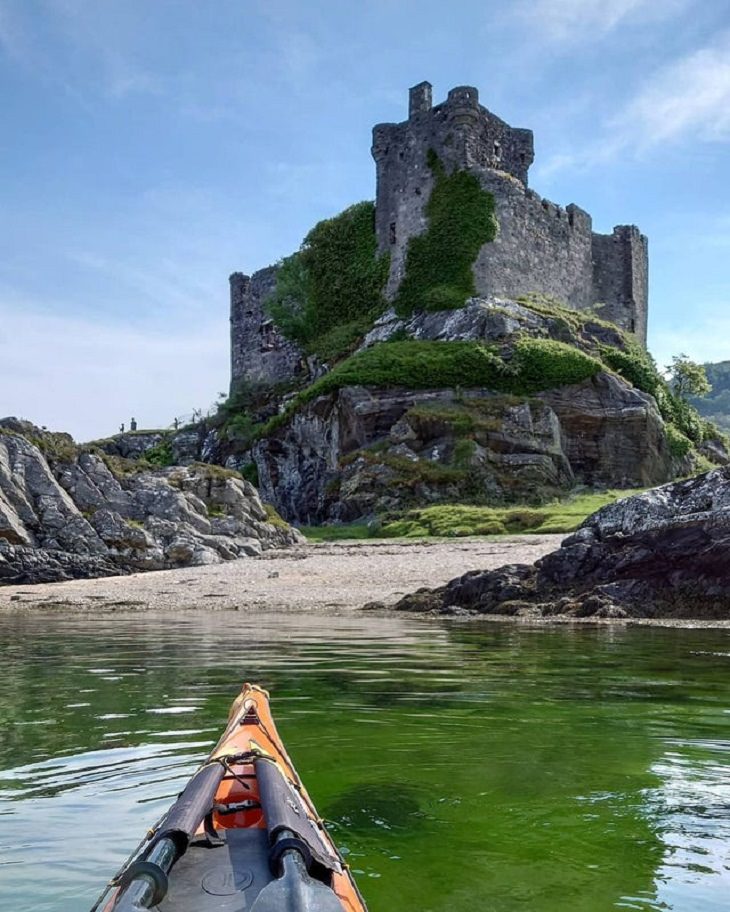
column 464, row 768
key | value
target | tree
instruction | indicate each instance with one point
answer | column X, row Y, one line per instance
column 687, row 378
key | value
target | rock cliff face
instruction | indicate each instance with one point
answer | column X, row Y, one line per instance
column 194, row 443
column 64, row 513
column 664, row 553
column 361, row 451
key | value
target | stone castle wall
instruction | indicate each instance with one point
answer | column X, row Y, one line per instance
column 540, row 246
column 620, row 271
column 259, row 352
column 462, row 137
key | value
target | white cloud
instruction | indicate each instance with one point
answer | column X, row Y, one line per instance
column 87, row 377
column 570, row 20
column 689, row 97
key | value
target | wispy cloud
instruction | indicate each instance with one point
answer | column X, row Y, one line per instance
column 85, row 377
column 570, row 20
column 689, row 97
column 685, row 99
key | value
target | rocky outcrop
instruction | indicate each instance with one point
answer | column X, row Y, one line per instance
column 66, row 512
column 189, row 444
column 493, row 320
column 362, row 451
column 664, row 553
column 613, row 434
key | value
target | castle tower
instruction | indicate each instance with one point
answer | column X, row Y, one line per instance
column 463, row 134
column 540, row 247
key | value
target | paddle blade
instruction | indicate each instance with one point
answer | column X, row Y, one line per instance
column 296, row 891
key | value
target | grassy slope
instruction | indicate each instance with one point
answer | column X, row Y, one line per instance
column 452, row 520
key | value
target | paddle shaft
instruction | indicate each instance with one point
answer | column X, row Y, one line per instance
column 295, row 890
column 140, row 892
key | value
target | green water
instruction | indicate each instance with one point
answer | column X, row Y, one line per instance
column 463, row 767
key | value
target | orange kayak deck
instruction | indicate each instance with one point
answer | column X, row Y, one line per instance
column 229, row 860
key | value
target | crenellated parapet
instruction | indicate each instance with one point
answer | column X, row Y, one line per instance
column 540, row 246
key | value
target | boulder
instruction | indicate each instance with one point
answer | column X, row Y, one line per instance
column 66, row 512
column 663, row 553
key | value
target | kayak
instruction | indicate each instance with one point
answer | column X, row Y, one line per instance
column 242, row 835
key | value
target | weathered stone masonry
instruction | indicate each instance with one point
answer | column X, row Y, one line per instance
column 259, row 352
column 540, row 247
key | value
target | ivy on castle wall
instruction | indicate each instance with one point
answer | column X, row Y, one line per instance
column 329, row 292
column 461, row 219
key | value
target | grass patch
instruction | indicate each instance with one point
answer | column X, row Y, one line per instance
column 274, row 519
column 453, row 520
column 349, row 532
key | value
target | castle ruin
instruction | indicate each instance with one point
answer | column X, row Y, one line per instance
column 540, row 246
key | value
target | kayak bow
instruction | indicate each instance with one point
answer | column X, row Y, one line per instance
column 242, row 835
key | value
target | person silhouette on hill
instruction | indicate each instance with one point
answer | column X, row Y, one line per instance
column 133, row 424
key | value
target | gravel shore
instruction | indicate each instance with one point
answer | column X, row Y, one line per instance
column 326, row 578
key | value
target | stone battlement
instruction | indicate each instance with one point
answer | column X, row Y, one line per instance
column 540, row 247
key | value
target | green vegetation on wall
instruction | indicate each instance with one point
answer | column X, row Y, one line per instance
column 329, row 292
column 458, row 519
column 438, row 273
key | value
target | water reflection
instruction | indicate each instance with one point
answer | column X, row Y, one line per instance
column 462, row 766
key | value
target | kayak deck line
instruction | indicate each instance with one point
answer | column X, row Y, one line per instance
column 243, row 835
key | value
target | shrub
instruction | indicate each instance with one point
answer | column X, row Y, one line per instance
column 438, row 268
column 638, row 367
column 329, row 292
column 160, row 455
column 251, row 473
column 635, row 365
column 464, row 450
column 541, row 364
column 241, row 428
column 679, row 444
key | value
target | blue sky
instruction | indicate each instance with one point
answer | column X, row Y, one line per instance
column 148, row 148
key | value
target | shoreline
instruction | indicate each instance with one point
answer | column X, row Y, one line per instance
column 316, row 579
column 321, row 578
